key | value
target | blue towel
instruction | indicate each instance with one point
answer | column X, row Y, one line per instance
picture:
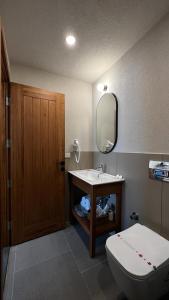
column 85, row 203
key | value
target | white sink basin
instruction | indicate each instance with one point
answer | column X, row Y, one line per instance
column 94, row 177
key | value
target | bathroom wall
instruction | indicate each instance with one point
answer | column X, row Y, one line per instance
column 140, row 80
column 78, row 101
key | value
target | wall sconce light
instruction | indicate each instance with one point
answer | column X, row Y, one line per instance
column 102, row 87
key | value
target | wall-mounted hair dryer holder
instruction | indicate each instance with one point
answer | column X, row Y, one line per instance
column 76, row 150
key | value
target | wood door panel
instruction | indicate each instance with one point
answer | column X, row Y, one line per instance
column 16, row 164
column 40, row 193
column 27, row 161
column 36, row 164
column 52, row 164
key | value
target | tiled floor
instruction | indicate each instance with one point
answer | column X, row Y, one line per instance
column 58, row 267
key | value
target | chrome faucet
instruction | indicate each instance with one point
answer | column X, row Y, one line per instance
column 100, row 168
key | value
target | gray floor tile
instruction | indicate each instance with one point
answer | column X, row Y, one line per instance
column 56, row 279
column 8, row 288
column 41, row 249
column 101, row 283
column 78, row 241
column 58, row 267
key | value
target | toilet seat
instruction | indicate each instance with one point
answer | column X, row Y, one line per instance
column 139, row 251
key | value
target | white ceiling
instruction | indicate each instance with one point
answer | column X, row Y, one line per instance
column 105, row 30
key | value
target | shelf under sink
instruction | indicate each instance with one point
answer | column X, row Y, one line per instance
column 100, row 229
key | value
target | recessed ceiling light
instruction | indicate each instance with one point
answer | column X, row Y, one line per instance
column 70, row 40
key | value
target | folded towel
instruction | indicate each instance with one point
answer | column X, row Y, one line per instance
column 85, row 203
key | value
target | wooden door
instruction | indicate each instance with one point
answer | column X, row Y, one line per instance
column 4, row 162
column 37, row 162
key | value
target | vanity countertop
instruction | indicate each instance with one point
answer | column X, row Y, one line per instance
column 94, row 177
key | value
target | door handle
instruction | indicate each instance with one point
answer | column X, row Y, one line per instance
column 62, row 165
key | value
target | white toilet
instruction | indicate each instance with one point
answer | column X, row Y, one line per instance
column 139, row 260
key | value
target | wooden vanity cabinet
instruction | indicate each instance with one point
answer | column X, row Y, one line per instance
column 92, row 227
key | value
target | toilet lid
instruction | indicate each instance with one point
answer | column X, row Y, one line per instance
column 138, row 249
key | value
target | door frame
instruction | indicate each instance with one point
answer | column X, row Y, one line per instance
column 4, row 154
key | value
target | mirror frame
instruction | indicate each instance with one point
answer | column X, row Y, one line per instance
column 116, row 130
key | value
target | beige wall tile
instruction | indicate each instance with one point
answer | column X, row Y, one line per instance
column 141, row 194
column 165, row 205
column 108, row 160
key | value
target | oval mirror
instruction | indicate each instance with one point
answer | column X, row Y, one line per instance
column 106, row 123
